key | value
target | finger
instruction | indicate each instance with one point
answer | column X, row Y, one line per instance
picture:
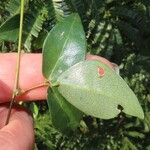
column 19, row 133
column 30, row 75
column 101, row 59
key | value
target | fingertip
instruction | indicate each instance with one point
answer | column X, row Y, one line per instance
column 99, row 58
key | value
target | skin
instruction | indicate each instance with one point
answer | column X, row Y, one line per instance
column 19, row 133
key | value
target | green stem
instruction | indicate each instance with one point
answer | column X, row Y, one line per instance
column 16, row 84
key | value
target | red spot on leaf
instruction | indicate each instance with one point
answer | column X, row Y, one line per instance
column 101, row 71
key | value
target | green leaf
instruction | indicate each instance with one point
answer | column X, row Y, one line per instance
column 38, row 42
column 14, row 6
column 33, row 25
column 147, row 119
column 64, row 46
column 96, row 95
column 127, row 145
column 64, row 116
column 135, row 134
column 10, row 28
column 34, row 109
column 57, row 9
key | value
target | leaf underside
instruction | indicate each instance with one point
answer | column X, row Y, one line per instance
column 96, row 95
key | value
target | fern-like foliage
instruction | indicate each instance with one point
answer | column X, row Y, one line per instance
column 13, row 7
column 9, row 30
column 37, row 12
column 58, row 11
column 33, row 24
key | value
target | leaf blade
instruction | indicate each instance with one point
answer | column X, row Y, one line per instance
column 98, row 96
column 10, row 28
column 64, row 46
column 64, row 116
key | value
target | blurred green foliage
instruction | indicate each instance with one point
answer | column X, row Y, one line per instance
column 115, row 29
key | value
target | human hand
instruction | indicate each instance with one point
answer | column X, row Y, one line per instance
column 19, row 134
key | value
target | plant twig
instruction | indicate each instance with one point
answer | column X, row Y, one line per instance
column 16, row 84
column 46, row 83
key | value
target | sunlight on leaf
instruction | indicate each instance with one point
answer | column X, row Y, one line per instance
column 64, row 46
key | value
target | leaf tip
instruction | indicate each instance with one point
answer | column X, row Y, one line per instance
column 136, row 112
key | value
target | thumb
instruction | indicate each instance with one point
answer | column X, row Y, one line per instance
column 18, row 134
